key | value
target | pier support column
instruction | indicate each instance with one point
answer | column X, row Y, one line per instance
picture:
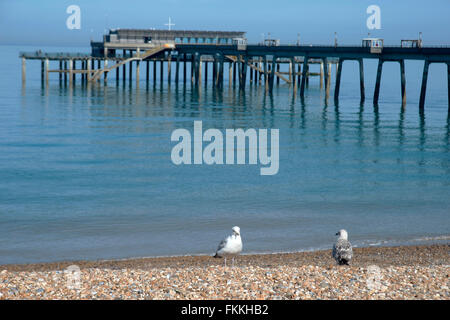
column 299, row 74
column 147, row 72
column 206, row 72
column 361, row 80
column 403, row 81
column 130, row 72
column 304, row 75
column 138, row 62
column 423, row 89
column 221, row 61
column 59, row 73
column 24, row 70
column 294, row 82
column 327, row 78
column 65, row 72
column 124, row 72
column 378, row 81
column 184, row 68
column 89, row 70
column 200, row 71
column 272, row 74
column 243, row 71
column 193, row 69
column 42, row 71
column 321, row 75
column 161, row 72
column 177, row 69
column 169, row 68
column 338, row 79
column 154, row 71
column 230, row 73
column 70, row 72
column 234, row 73
column 46, row 71
column 266, row 80
column 448, row 86
column 105, row 65
column 278, row 70
column 74, row 67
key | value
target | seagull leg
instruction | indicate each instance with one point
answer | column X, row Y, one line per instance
column 225, row 265
column 232, row 264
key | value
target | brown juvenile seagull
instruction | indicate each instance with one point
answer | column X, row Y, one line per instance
column 342, row 249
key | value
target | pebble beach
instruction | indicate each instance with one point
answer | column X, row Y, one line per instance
column 408, row 272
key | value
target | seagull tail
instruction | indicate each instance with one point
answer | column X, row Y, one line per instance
column 216, row 255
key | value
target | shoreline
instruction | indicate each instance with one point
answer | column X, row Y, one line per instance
column 406, row 272
column 434, row 254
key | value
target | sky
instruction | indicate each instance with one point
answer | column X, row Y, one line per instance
column 43, row 22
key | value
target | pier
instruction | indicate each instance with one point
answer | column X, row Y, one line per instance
column 254, row 64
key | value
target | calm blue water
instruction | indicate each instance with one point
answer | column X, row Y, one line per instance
column 87, row 174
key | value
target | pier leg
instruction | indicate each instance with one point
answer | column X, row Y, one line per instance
column 65, row 72
column 448, row 86
column 230, row 73
column 251, row 75
column 272, row 74
column 214, row 71
column 294, row 82
column 42, row 70
column 299, row 74
column 192, row 69
column 161, row 72
column 403, row 81
column 70, row 72
column 147, row 72
column 105, row 74
column 89, row 70
column 177, row 69
column 378, row 81
column 278, row 70
column 221, row 72
column 361, row 80
column 184, row 68
column 169, row 68
column 59, row 73
column 200, row 71
column 304, row 75
column 154, row 71
column 327, row 78
column 266, row 73
column 321, row 75
column 74, row 75
column 124, row 72
column 234, row 73
column 423, row 89
column 130, row 72
column 338, row 79
column 46, row 71
column 138, row 62
column 206, row 72
column 24, row 70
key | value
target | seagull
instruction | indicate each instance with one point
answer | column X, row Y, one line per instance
column 230, row 246
column 342, row 249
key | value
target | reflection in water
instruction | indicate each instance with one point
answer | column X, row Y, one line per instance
column 97, row 159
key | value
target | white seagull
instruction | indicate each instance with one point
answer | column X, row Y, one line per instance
column 231, row 246
column 342, row 249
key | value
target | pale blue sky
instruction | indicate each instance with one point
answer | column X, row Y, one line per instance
column 43, row 22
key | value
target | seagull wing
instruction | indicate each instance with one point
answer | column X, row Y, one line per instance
column 342, row 250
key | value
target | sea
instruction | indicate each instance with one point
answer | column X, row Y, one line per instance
column 86, row 172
